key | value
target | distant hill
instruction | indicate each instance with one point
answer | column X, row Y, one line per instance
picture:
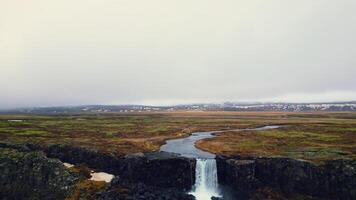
column 228, row 106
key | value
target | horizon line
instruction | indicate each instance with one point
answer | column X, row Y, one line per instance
column 183, row 104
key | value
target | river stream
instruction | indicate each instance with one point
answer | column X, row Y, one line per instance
column 206, row 181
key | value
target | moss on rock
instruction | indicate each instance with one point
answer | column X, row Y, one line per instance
column 31, row 175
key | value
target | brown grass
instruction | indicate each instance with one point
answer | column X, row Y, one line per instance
column 86, row 189
column 312, row 136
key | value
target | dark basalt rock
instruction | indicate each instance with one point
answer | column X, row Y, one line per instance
column 77, row 155
column 123, row 190
column 341, row 179
column 157, row 169
column 147, row 176
column 31, row 175
column 333, row 180
column 241, row 173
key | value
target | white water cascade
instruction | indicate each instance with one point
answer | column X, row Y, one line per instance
column 206, row 180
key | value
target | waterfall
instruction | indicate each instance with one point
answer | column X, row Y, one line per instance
column 206, row 180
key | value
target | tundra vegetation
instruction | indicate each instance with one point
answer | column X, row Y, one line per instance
column 316, row 137
column 310, row 136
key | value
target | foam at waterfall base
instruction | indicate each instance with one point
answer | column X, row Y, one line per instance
column 206, row 181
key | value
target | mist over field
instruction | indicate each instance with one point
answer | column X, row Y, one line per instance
column 162, row 52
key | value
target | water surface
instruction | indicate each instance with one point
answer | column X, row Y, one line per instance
column 206, row 180
column 186, row 146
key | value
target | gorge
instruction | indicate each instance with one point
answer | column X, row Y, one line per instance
column 206, row 180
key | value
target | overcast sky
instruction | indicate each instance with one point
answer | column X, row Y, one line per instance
column 160, row 52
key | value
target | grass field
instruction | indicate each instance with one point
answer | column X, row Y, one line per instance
column 310, row 136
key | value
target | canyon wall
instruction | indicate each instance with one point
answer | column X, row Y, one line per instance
column 332, row 180
column 31, row 175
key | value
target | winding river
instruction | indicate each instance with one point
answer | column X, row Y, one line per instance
column 206, row 181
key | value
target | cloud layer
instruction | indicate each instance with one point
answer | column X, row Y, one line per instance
column 178, row 51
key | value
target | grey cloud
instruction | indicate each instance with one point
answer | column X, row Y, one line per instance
column 164, row 52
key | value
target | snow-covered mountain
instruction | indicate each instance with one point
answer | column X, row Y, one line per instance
column 296, row 107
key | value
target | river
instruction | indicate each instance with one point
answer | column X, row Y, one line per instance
column 206, row 181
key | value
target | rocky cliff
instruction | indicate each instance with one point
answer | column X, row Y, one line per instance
column 31, row 175
column 333, row 180
column 155, row 169
column 123, row 190
column 28, row 173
